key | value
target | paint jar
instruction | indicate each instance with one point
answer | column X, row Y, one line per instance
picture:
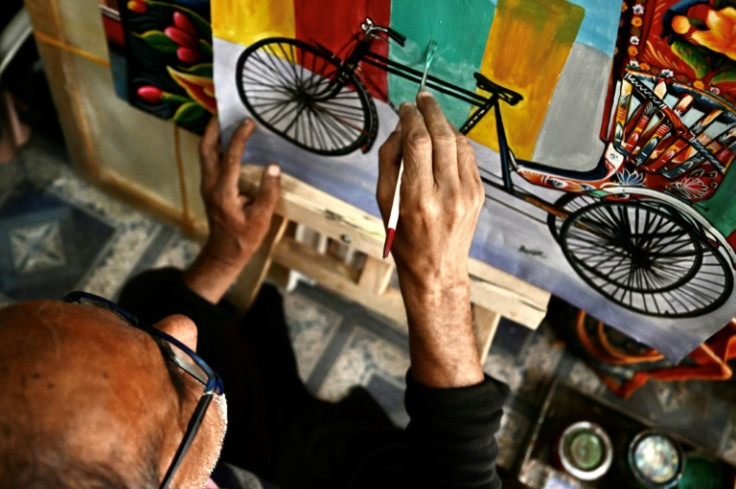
column 655, row 460
column 701, row 472
column 584, row 451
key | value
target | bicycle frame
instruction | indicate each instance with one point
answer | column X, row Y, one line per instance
column 362, row 53
column 292, row 105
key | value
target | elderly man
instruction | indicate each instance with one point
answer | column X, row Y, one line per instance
column 94, row 397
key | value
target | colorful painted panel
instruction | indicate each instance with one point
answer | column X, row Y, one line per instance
column 161, row 57
column 604, row 171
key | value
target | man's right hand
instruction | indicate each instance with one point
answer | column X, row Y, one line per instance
column 441, row 198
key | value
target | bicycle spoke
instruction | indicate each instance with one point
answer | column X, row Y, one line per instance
column 291, row 88
column 340, row 130
column 645, row 258
column 283, row 110
column 269, row 63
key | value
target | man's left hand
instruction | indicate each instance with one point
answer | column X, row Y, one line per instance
column 237, row 223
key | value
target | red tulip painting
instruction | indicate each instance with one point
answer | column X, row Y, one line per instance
column 162, row 62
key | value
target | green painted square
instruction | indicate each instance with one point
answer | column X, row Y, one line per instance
column 461, row 30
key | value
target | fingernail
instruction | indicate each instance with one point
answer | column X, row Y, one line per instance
column 425, row 93
column 247, row 122
column 273, row 170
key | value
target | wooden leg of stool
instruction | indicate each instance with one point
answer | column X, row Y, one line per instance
column 485, row 324
column 13, row 132
column 250, row 280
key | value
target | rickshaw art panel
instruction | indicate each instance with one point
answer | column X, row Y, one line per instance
column 603, row 130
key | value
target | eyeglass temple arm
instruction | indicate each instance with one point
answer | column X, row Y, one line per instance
column 192, row 428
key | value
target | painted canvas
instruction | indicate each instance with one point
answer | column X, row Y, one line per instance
column 603, row 130
column 161, row 57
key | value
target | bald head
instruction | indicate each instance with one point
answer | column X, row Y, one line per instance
column 81, row 389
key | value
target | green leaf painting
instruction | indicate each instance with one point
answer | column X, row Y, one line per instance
column 159, row 41
column 693, row 56
column 189, row 113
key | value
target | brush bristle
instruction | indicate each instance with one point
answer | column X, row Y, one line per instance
column 431, row 49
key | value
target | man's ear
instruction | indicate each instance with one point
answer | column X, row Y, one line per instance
column 180, row 327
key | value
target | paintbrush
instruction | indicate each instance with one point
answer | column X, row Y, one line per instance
column 393, row 217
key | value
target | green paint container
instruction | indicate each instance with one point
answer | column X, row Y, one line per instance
column 701, row 472
column 584, row 451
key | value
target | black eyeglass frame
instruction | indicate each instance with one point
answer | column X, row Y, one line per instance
column 213, row 384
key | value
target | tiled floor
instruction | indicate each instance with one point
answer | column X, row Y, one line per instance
column 58, row 233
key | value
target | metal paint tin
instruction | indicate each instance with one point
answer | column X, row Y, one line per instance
column 701, row 472
column 655, row 460
column 584, row 451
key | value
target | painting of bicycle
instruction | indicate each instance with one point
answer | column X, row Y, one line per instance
column 608, row 128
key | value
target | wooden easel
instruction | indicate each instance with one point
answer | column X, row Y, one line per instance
column 493, row 293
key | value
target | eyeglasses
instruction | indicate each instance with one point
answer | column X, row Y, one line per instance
column 182, row 356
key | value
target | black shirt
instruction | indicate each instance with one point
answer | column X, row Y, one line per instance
column 280, row 432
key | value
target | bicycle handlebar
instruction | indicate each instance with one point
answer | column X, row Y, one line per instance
column 369, row 26
column 396, row 36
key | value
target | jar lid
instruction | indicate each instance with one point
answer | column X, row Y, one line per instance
column 585, row 451
column 655, row 460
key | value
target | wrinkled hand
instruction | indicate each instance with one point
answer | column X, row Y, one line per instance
column 441, row 194
column 441, row 198
column 237, row 223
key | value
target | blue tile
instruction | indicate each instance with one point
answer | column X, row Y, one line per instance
column 46, row 245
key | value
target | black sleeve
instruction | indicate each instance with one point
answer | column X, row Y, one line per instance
column 251, row 351
column 155, row 294
column 451, row 435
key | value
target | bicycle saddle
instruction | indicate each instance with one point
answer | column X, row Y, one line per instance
column 509, row 96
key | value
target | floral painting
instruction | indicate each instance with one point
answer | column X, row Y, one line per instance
column 161, row 57
column 693, row 41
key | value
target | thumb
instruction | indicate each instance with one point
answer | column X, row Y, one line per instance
column 269, row 191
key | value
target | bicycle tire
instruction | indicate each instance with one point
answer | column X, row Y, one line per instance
column 568, row 202
column 288, row 86
column 647, row 258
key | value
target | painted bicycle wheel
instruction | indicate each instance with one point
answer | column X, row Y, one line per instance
column 568, row 203
column 646, row 257
column 292, row 88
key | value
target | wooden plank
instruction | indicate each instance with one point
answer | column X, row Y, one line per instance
column 491, row 289
column 63, row 84
column 508, row 303
column 324, row 213
column 376, row 275
column 531, row 294
column 45, row 18
column 485, row 325
column 131, row 194
column 251, row 278
column 339, row 278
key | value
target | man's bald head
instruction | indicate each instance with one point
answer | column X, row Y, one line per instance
column 86, row 397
